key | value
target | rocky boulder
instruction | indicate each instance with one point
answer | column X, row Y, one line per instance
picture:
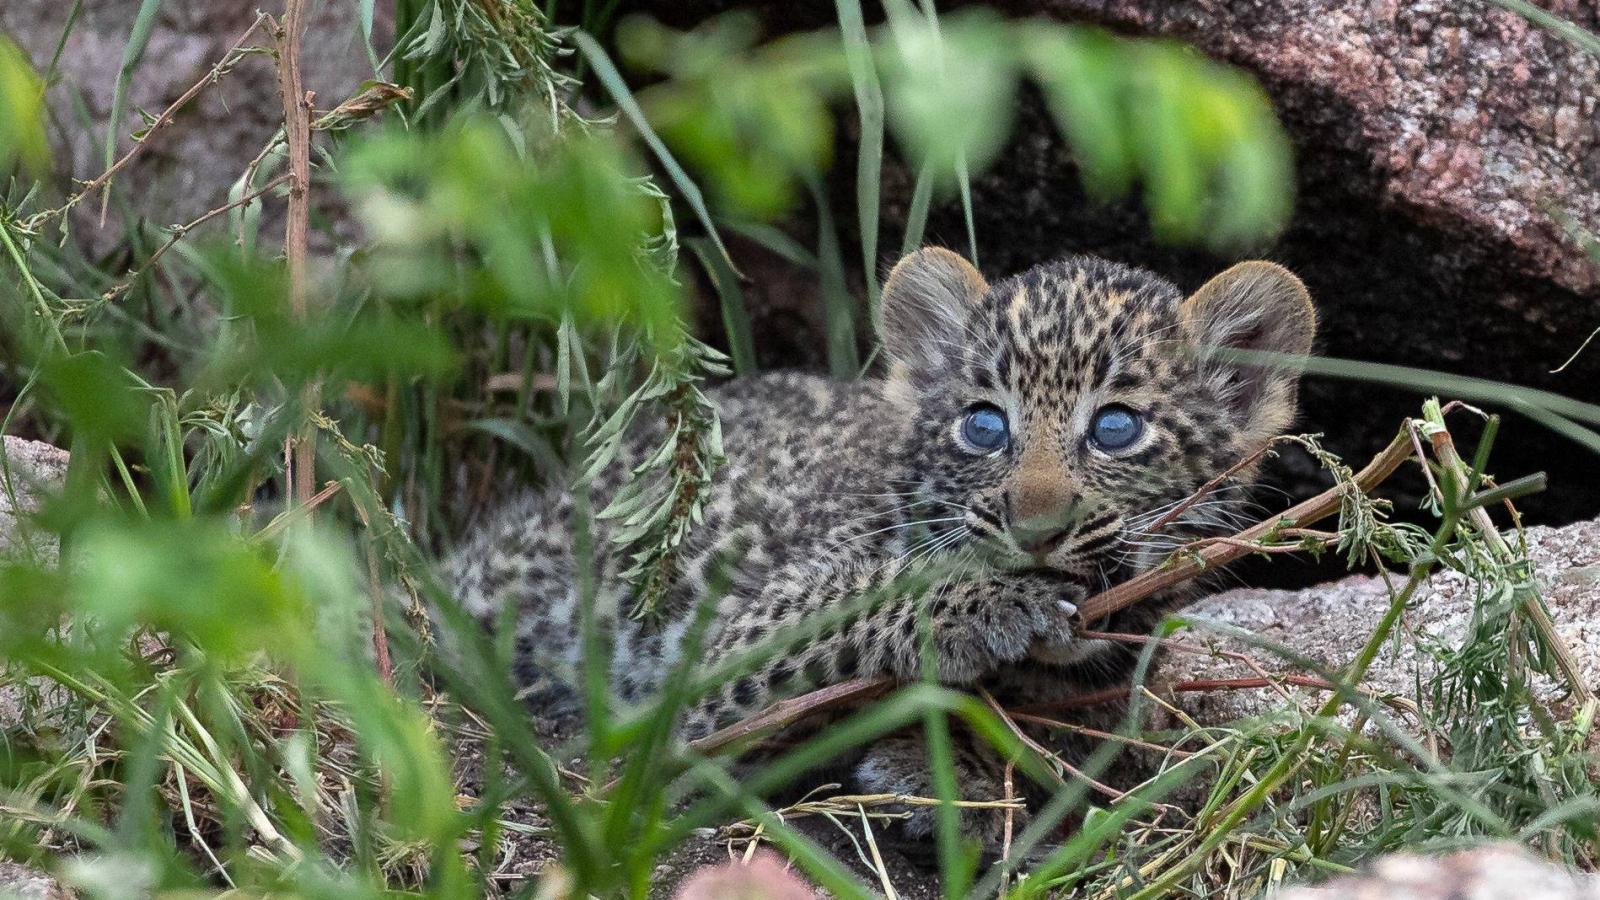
column 28, row 469
column 188, row 166
column 1499, row 872
column 1329, row 623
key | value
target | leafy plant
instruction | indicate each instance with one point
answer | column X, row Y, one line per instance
column 1200, row 136
column 22, row 111
column 201, row 711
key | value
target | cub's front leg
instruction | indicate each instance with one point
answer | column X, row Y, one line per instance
column 977, row 623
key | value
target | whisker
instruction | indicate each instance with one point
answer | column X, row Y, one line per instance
column 933, row 542
column 896, row 526
column 873, row 515
column 945, row 540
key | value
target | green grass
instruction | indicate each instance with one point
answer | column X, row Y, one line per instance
column 200, row 709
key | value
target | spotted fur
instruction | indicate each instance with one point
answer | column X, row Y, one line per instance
column 833, row 493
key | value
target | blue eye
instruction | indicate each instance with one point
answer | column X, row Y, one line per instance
column 985, row 428
column 1115, row 428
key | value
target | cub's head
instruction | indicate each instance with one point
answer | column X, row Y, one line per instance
column 1066, row 410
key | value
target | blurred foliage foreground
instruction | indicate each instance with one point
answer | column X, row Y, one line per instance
column 201, row 711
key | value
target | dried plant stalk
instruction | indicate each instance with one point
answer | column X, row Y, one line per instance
column 1191, row 565
column 787, row 712
column 297, row 134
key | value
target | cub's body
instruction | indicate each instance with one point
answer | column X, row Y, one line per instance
column 1029, row 444
column 782, row 505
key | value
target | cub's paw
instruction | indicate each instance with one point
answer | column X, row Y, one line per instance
column 899, row 765
column 1000, row 619
column 1051, row 605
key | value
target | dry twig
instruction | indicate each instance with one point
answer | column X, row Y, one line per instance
column 1211, row 485
column 290, row 516
column 297, row 106
column 1044, row 752
column 103, row 180
column 380, row 637
column 787, row 712
column 1188, row 566
column 178, row 232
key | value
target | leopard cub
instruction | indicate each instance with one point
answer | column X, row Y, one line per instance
column 1027, row 444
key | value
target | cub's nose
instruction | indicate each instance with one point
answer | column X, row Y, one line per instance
column 1040, row 499
column 1040, row 537
column 1041, row 505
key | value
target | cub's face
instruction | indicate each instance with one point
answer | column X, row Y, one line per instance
column 1060, row 415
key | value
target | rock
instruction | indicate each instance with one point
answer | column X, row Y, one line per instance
column 1329, row 623
column 1473, row 120
column 189, row 166
column 1497, row 872
column 18, row 882
column 30, row 469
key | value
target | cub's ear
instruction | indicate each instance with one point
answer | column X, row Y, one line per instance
column 1256, row 307
column 922, row 315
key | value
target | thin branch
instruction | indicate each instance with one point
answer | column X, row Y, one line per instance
column 1211, row 485
column 1576, row 353
column 1141, row 640
column 1214, row 685
column 222, row 67
column 1011, row 724
column 1010, row 794
column 289, row 516
column 786, row 712
column 380, row 636
column 1245, row 542
column 178, row 232
column 1098, row 734
column 297, row 107
column 1238, row 544
column 1444, row 449
column 1255, row 665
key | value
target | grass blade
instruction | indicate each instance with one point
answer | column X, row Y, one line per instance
column 965, row 181
column 917, row 216
column 1461, row 387
column 366, row 35
column 955, row 863
column 606, row 71
column 138, row 39
column 869, row 159
column 839, row 307
column 735, row 315
column 61, row 42
column 778, row 242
